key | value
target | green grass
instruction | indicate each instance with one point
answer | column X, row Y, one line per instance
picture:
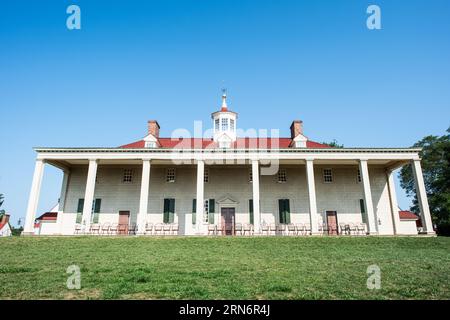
column 224, row 268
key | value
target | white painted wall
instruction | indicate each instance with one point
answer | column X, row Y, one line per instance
column 407, row 227
column 228, row 181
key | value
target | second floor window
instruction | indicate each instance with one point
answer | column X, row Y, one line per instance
column 282, row 177
column 224, row 124
column 216, row 124
column 127, row 176
column 170, row 175
column 327, row 175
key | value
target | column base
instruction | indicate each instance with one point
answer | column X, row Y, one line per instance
column 27, row 234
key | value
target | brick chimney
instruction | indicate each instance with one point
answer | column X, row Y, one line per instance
column 5, row 219
column 296, row 128
column 153, row 128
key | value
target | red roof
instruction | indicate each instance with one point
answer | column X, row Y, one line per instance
column 2, row 225
column 48, row 216
column 241, row 143
column 407, row 215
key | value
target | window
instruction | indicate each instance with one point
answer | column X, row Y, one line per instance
column 150, row 144
column 232, row 125
column 284, row 211
column 327, row 176
column 363, row 210
column 208, row 211
column 216, row 122
column 95, row 210
column 359, row 175
column 96, row 205
column 206, row 175
column 282, row 176
column 127, row 176
column 169, row 210
column 224, row 124
column 224, row 144
column 250, row 210
column 170, row 175
column 250, row 175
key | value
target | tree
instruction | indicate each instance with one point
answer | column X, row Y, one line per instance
column 334, row 144
column 435, row 156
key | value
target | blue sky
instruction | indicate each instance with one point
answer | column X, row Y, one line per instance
column 167, row 60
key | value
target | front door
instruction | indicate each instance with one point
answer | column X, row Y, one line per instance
column 228, row 221
column 332, row 222
column 124, row 218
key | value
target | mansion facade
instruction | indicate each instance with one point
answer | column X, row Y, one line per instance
column 228, row 185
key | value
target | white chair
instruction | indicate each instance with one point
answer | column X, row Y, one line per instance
column 158, row 228
column 291, row 229
column 78, row 228
column 174, row 228
column 212, row 229
column 247, row 229
column 300, row 227
column 307, row 228
column 148, row 228
column 361, row 228
column 94, row 229
column 238, row 228
column 114, row 228
column 353, row 228
column 105, row 228
column 273, row 228
column 265, row 228
column 166, row 228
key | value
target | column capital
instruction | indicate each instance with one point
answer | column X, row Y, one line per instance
column 363, row 159
column 93, row 160
column 309, row 159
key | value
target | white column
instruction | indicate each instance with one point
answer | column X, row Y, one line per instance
column 393, row 201
column 200, row 195
column 143, row 202
column 421, row 192
column 371, row 221
column 34, row 197
column 256, row 207
column 62, row 200
column 313, row 219
column 89, row 193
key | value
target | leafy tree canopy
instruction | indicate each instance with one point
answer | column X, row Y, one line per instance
column 436, row 171
column 334, row 144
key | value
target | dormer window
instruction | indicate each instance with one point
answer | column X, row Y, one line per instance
column 224, row 124
column 217, row 124
column 224, row 144
column 150, row 144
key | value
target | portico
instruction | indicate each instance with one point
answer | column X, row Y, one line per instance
column 249, row 176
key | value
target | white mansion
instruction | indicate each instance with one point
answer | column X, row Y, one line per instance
column 228, row 185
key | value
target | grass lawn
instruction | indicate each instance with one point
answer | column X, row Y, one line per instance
column 225, row 268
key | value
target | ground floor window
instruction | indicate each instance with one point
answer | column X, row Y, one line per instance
column 208, row 213
column 169, row 210
column 284, row 211
column 250, row 210
column 96, row 205
column 362, row 205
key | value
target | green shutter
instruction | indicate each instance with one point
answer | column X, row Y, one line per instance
column 250, row 210
column 287, row 211
column 80, row 210
column 194, row 209
column 281, row 210
column 171, row 210
column 212, row 210
column 97, row 205
column 80, row 205
column 166, row 210
column 363, row 210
